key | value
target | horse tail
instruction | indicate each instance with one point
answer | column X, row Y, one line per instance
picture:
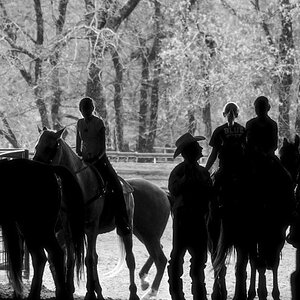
column 13, row 245
column 121, row 261
column 73, row 206
column 223, row 250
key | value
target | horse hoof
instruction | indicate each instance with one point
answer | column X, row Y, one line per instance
column 151, row 295
column 144, row 283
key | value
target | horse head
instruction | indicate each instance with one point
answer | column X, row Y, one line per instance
column 290, row 156
column 46, row 147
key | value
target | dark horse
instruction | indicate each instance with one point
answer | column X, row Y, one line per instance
column 290, row 158
column 34, row 197
column 148, row 208
column 255, row 206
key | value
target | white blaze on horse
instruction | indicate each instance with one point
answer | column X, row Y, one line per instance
column 147, row 205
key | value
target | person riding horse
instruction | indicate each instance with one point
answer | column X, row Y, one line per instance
column 269, row 175
column 228, row 144
column 191, row 188
column 90, row 145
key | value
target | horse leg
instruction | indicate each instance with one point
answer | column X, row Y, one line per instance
column 130, row 261
column 57, row 266
column 240, row 275
column 219, row 287
column 262, row 284
column 295, row 278
column 275, row 291
column 39, row 260
column 143, row 274
column 91, row 262
column 156, row 253
column 251, row 290
column 65, row 243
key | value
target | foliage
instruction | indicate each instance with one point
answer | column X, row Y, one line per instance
column 243, row 67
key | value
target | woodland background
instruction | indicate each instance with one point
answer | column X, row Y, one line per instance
column 155, row 68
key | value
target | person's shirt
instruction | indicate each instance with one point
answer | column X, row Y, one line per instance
column 229, row 141
column 90, row 139
column 262, row 135
column 191, row 187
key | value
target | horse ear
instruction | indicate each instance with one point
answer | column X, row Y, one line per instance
column 39, row 129
column 297, row 140
column 59, row 133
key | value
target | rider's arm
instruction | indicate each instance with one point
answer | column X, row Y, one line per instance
column 78, row 142
column 274, row 138
column 212, row 158
column 102, row 141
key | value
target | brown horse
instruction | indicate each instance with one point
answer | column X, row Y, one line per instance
column 148, row 208
column 33, row 203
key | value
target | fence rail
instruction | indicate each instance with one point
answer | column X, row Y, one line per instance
column 146, row 157
column 142, row 157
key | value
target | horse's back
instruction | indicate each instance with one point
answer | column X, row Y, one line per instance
column 28, row 187
column 151, row 208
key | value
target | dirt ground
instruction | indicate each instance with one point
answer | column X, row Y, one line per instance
column 117, row 287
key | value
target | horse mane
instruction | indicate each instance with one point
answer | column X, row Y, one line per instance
column 66, row 155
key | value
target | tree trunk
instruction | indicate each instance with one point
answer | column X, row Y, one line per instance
column 286, row 47
column 8, row 133
column 38, row 65
column 118, row 103
column 143, row 109
column 94, row 87
column 154, row 107
column 54, row 61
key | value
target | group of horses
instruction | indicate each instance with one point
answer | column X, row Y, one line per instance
column 59, row 206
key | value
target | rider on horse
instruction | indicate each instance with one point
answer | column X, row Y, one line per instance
column 262, row 142
column 228, row 144
column 90, row 144
column 262, row 133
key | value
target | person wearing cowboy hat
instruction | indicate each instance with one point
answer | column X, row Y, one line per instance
column 190, row 187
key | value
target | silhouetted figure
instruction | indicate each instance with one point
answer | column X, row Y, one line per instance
column 90, row 144
column 262, row 131
column 228, row 144
column 191, row 188
column 261, row 144
column 272, row 189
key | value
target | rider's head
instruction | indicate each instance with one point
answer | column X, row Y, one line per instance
column 86, row 107
column 262, row 106
column 231, row 111
column 188, row 146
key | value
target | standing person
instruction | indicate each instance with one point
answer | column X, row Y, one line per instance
column 191, row 189
column 90, row 145
column 228, row 145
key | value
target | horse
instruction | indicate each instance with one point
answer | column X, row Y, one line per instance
column 147, row 205
column 227, row 228
column 290, row 158
column 34, row 198
column 253, row 222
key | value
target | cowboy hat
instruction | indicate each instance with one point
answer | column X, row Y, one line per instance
column 185, row 140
